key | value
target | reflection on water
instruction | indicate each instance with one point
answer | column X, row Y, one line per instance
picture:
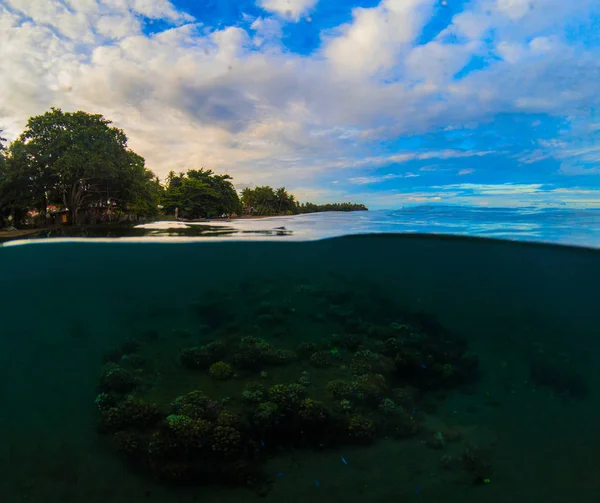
column 158, row 229
column 570, row 227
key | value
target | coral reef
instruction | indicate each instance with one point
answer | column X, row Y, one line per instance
column 324, row 359
column 221, row 371
column 267, row 415
column 340, row 389
column 369, row 362
column 368, row 380
column 116, row 379
column 226, row 440
column 287, row 396
column 202, row 357
column 132, row 412
column 196, row 405
column 105, row 401
column 361, row 429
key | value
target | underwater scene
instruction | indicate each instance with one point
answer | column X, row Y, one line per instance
column 364, row 368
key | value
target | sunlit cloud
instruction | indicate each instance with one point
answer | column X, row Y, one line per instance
column 497, row 90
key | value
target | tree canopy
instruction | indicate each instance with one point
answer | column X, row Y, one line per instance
column 268, row 201
column 77, row 160
column 200, row 193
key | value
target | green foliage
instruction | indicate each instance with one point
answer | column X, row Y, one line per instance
column 78, row 161
column 266, row 201
column 200, row 193
column 317, row 208
column 17, row 184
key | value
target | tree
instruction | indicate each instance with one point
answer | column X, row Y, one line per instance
column 17, row 189
column 200, row 193
column 80, row 161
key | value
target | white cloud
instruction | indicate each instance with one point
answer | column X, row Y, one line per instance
column 232, row 100
column 493, row 195
column 377, row 36
column 292, row 9
column 495, row 189
column 268, row 32
column 117, row 25
column 366, row 180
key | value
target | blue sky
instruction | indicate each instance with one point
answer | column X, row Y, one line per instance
column 389, row 102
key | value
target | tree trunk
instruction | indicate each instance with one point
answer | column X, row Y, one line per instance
column 73, row 199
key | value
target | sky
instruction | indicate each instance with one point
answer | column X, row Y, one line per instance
column 388, row 103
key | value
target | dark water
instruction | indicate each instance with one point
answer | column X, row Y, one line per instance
column 528, row 313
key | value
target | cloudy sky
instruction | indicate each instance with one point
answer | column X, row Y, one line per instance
column 386, row 102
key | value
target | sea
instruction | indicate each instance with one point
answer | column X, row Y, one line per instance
column 425, row 354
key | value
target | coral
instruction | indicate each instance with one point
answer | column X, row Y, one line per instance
column 388, row 406
column 221, row 371
column 117, row 379
column 286, row 396
column 339, row 389
column 282, row 356
column 252, row 396
column 131, row 413
column 253, row 353
column 346, row 405
column 304, row 381
column 324, row 359
column 368, row 362
column 196, row 405
column 371, row 387
column 313, row 411
column 267, row 414
column 361, row 429
column 391, row 346
column 254, row 392
column 227, row 418
column 163, row 444
column 447, row 370
column 105, row 401
column 189, row 433
column 254, row 343
column 202, row 357
column 226, row 440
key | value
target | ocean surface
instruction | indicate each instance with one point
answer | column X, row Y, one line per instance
column 364, row 357
column 559, row 226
